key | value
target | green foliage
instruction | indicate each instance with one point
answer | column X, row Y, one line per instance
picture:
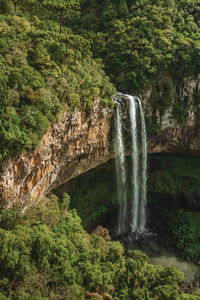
column 174, row 174
column 64, row 201
column 151, row 126
column 180, row 112
column 196, row 98
column 9, row 218
column 182, row 231
column 64, row 8
column 173, row 193
column 94, row 196
column 41, row 258
column 160, row 100
column 5, row 6
column 142, row 44
column 145, row 41
column 42, row 72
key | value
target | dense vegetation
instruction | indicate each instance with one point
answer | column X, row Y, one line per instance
column 51, row 56
column 173, row 200
column 46, row 254
column 141, row 41
column 42, row 71
column 147, row 45
column 54, row 55
column 94, row 196
column 173, row 196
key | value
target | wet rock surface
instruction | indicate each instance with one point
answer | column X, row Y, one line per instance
column 149, row 243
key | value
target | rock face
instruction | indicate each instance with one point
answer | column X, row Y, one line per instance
column 171, row 135
column 75, row 144
column 80, row 141
column 180, row 139
column 103, row 232
column 175, row 136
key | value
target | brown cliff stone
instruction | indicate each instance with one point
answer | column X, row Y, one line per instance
column 78, row 142
column 103, row 232
column 75, row 144
column 94, row 296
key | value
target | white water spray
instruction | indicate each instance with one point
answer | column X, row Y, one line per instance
column 132, row 214
column 143, row 198
column 135, row 166
column 121, row 172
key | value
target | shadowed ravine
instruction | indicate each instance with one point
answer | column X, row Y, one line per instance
column 119, row 199
column 94, row 195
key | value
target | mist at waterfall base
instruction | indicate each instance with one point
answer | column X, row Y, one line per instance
column 95, row 194
column 131, row 182
column 131, row 208
column 131, row 176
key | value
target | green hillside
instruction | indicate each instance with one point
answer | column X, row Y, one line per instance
column 46, row 254
column 60, row 55
column 51, row 55
column 42, row 71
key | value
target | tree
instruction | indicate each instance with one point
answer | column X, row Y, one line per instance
column 5, row 6
column 122, row 8
column 15, row 4
column 64, row 8
column 30, row 6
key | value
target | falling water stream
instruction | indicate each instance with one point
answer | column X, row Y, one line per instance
column 132, row 214
column 135, row 166
column 120, row 171
column 143, row 200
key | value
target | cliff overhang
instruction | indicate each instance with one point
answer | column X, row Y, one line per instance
column 80, row 141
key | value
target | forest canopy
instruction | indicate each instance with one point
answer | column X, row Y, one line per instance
column 46, row 254
column 42, row 71
column 57, row 54
column 140, row 40
column 64, row 54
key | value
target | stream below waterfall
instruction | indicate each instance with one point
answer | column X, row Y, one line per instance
column 131, row 224
column 168, row 259
column 148, row 243
column 114, row 195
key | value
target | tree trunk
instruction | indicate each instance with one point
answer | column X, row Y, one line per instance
column 174, row 12
column 60, row 21
column 92, row 50
column 66, row 57
column 141, row 6
column 15, row 6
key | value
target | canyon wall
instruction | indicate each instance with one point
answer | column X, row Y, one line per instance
column 80, row 141
column 177, row 134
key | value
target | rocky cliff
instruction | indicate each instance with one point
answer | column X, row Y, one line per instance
column 75, row 144
column 80, row 141
column 179, row 130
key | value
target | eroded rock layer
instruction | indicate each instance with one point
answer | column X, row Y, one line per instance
column 80, row 141
column 75, row 144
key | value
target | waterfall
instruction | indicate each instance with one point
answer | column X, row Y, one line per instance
column 142, row 220
column 135, row 166
column 120, row 171
column 132, row 212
